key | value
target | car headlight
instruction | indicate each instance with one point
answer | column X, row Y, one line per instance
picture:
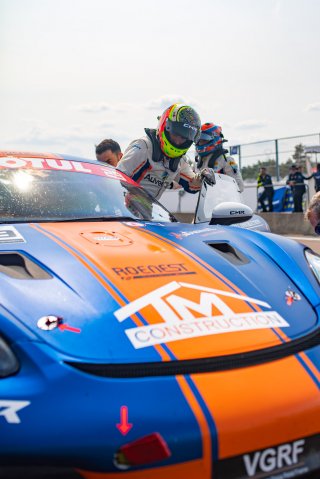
column 314, row 262
column 8, row 362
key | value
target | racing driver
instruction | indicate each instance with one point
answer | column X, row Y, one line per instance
column 157, row 160
column 211, row 153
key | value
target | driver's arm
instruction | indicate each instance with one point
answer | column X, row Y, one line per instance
column 187, row 178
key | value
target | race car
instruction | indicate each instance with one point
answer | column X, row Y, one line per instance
column 136, row 346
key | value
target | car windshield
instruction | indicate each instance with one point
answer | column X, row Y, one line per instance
column 36, row 195
column 225, row 189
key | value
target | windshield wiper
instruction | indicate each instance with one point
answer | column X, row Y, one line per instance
column 99, row 218
column 82, row 219
column 64, row 220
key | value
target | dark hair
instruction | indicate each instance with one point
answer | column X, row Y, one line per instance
column 108, row 145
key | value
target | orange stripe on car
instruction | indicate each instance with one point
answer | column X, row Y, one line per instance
column 310, row 365
column 268, row 396
column 205, row 432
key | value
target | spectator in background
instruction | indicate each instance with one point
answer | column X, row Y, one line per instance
column 292, row 171
column 211, row 154
column 316, row 177
column 109, row 151
column 313, row 212
column 265, row 180
column 296, row 182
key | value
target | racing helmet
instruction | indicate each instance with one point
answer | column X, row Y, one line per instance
column 180, row 120
column 211, row 138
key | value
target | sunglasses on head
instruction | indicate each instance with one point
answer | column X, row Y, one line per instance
column 317, row 229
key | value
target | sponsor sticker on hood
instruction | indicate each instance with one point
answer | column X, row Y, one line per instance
column 9, row 234
column 182, row 318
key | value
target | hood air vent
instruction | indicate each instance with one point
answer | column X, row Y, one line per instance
column 230, row 253
column 19, row 266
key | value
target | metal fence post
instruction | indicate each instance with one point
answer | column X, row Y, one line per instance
column 239, row 157
column 277, row 160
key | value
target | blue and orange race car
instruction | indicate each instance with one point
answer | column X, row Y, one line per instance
column 135, row 346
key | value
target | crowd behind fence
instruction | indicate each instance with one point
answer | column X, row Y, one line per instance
column 275, row 154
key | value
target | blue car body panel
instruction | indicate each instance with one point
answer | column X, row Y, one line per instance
column 210, row 397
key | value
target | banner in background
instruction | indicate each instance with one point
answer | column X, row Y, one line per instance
column 234, row 150
column 282, row 200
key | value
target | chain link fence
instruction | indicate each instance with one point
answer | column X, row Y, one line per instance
column 277, row 155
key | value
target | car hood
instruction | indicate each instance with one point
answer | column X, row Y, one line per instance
column 136, row 292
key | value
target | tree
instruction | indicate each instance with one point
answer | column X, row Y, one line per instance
column 299, row 154
column 251, row 172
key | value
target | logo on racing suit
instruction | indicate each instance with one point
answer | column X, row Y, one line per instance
column 153, row 180
column 182, row 318
column 157, row 181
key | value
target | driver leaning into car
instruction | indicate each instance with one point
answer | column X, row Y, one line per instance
column 157, row 162
column 210, row 153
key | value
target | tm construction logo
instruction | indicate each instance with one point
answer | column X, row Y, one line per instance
column 180, row 322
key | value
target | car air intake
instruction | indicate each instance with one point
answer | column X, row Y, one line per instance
column 18, row 266
column 202, row 365
column 230, row 253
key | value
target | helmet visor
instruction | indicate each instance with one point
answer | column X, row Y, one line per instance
column 184, row 129
column 209, row 136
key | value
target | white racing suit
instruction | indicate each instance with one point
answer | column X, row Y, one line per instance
column 220, row 163
column 144, row 162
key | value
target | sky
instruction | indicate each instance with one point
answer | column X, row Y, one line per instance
column 73, row 72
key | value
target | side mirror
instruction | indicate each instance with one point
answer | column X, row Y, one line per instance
column 229, row 212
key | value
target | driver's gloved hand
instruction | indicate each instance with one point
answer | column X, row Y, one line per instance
column 207, row 174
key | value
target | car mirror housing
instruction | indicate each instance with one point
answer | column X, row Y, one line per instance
column 230, row 212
